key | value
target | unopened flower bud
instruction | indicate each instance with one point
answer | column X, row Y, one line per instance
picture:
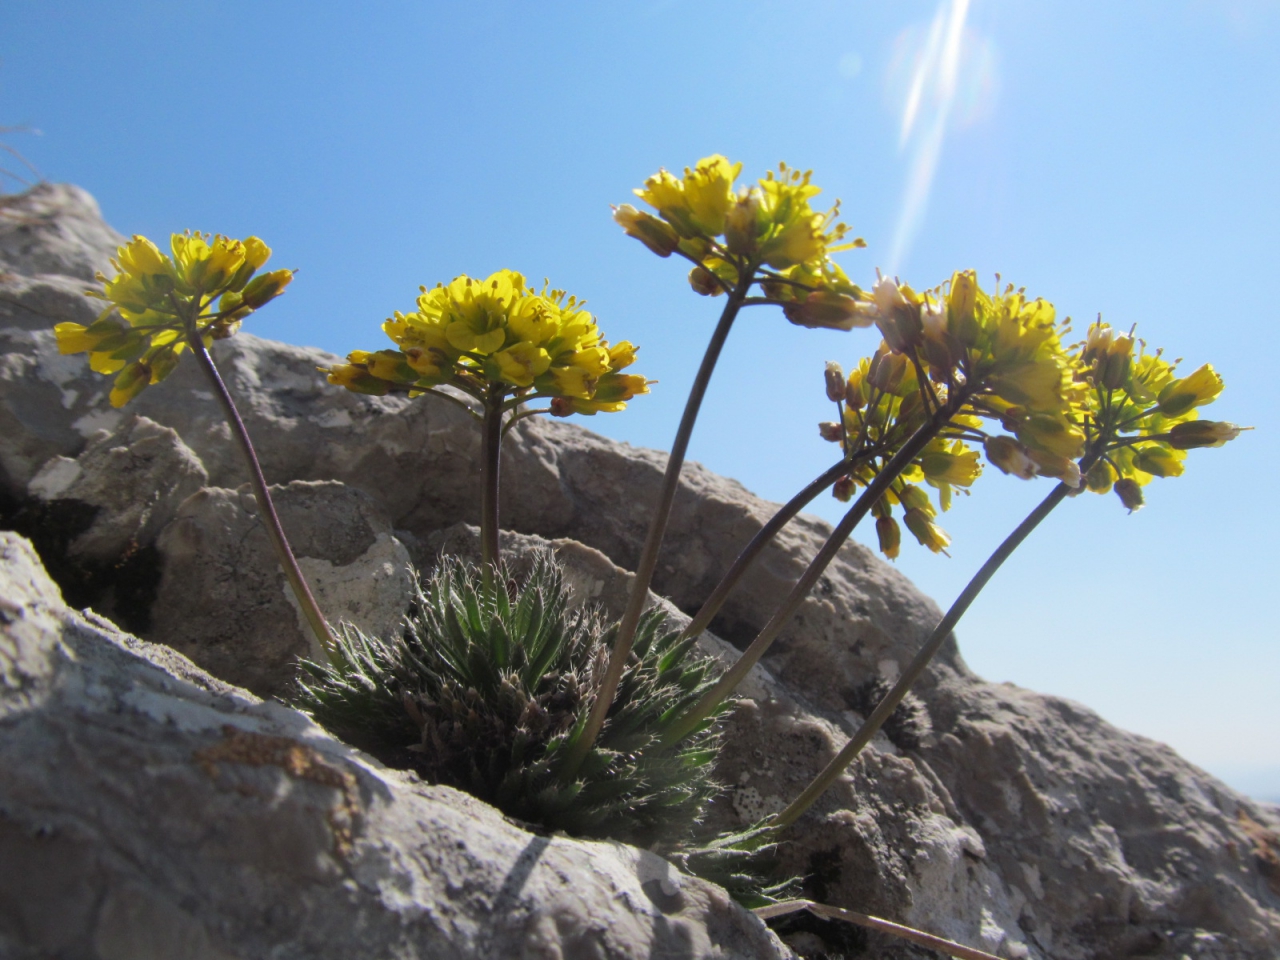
column 1009, row 456
column 561, row 406
column 843, row 489
column 926, row 531
column 828, row 310
column 831, row 431
column 933, row 320
column 1202, row 433
column 740, row 222
column 913, row 498
column 1130, row 493
column 1058, row 467
column 704, row 282
column 834, row 377
column 886, row 371
column 266, row 287
column 890, row 536
column 1114, row 370
column 1100, row 477
column 1098, row 343
column 853, row 391
column 654, row 233
column 962, row 298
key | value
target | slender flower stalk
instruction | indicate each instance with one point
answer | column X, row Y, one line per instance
column 751, row 656
column 943, row 946
column 492, row 454
column 764, row 536
column 266, row 506
column 653, row 539
column 945, row 626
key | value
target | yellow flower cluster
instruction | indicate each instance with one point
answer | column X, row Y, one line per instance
column 155, row 303
column 767, row 233
column 978, row 360
column 498, row 333
column 969, row 358
column 1142, row 417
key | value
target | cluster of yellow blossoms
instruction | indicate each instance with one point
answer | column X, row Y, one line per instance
column 766, row 234
column 1141, row 418
column 155, row 304
column 498, row 334
column 965, row 360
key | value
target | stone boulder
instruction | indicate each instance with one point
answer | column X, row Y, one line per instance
column 149, row 811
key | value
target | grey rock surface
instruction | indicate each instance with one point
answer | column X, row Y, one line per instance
column 149, row 811
column 1023, row 823
column 224, row 602
column 134, row 479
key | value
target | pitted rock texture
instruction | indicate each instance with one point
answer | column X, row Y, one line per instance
column 149, row 811
column 221, row 583
column 1023, row 824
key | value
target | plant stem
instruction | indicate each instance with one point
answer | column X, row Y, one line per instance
column 861, row 507
column 917, row 666
column 752, row 550
column 266, row 507
column 948, row 947
column 489, row 556
column 657, row 529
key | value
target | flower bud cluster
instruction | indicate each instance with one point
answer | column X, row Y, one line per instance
column 498, row 332
column 766, row 233
column 155, row 302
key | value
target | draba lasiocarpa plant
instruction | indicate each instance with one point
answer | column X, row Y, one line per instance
column 157, row 307
column 500, row 685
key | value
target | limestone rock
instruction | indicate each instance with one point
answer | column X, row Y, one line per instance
column 134, row 479
column 149, row 811
column 224, row 602
column 55, row 228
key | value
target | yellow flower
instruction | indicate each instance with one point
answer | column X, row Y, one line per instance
column 1159, row 461
column 519, row 364
column 708, row 191
column 1051, row 434
column 621, row 355
column 1199, row 388
column 130, row 382
column 950, row 463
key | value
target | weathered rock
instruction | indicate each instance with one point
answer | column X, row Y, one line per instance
column 134, row 479
column 224, row 602
column 150, row 811
column 55, row 228
column 1024, row 823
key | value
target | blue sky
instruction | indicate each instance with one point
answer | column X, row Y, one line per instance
column 1114, row 158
